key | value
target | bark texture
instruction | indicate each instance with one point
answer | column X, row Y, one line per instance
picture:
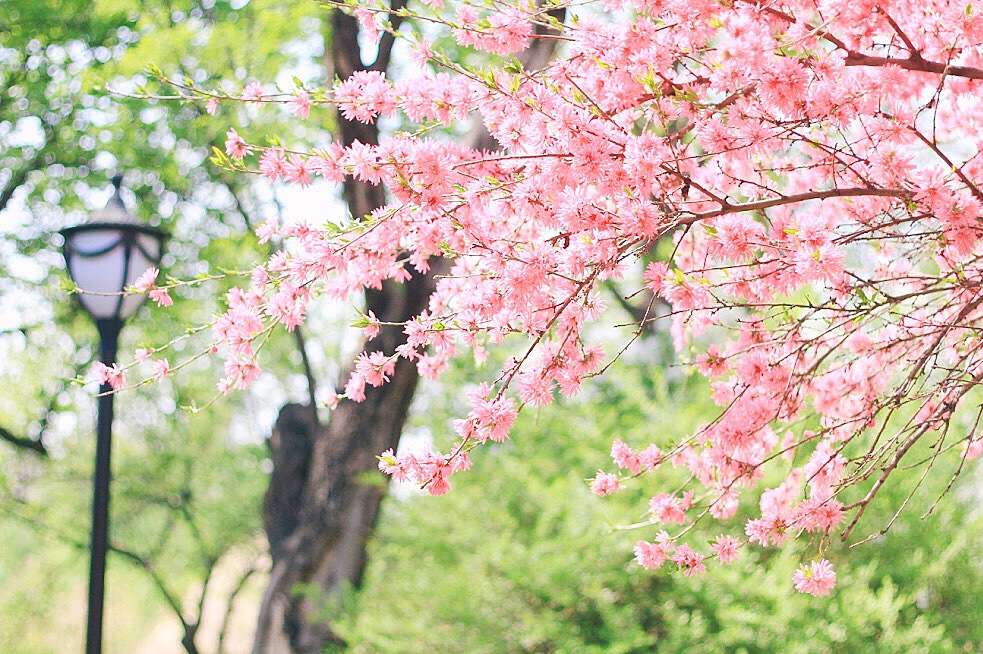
column 324, row 495
column 318, row 529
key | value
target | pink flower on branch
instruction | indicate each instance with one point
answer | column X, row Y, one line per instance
column 147, row 280
column 364, row 96
column 112, row 375
column 254, row 92
column 300, row 104
column 816, row 579
column 161, row 296
column 161, row 369
column 653, row 556
column 813, row 249
column 725, row 548
column 689, row 561
column 604, row 484
column 147, row 283
column 235, row 146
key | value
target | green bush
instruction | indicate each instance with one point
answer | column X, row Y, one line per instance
column 521, row 557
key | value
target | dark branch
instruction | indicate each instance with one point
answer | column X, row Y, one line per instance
column 228, row 609
column 17, row 180
column 916, row 64
column 794, row 199
column 189, row 628
column 388, row 39
column 308, row 373
column 35, row 446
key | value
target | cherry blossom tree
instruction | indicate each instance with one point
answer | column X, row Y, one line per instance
column 815, row 166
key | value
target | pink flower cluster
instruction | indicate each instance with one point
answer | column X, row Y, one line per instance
column 147, row 283
column 813, row 216
column 653, row 556
column 113, row 375
column 816, row 579
column 429, row 470
column 488, row 419
column 502, row 32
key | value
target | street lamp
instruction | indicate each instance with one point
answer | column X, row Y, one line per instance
column 105, row 256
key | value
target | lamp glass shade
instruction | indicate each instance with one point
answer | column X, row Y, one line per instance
column 104, row 259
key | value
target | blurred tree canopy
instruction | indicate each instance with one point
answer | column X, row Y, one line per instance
column 187, row 487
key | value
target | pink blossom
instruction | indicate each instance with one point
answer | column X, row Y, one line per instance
column 508, row 31
column 364, row 96
column 825, row 468
column 668, row 508
column 725, row 548
column 650, row 457
column 773, row 527
column 372, row 329
column 489, row 419
column 689, row 561
column 366, row 19
column 254, row 92
column 268, row 230
column 604, row 484
column 437, row 485
column 112, row 375
column 161, row 369
column 296, row 169
column 272, row 163
column 260, row 277
column 711, row 363
column 816, row 579
column 625, row 457
column 300, row 104
column 161, row 297
column 389, row 465
column 238, row 375
column 822, row 514
column 235, row 146
column 973, row 448
column 211, row 107
column 817, row 244
column 422, row 52
column 147, row 280
column 652, row 556
column 331, row 400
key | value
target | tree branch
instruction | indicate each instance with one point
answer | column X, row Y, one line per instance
column 308, row 372
column 793, row 199
column 388, row 39
column 51, row 529
column 189, row 628
column 916, row 64
column 223, row 630
column 17, row 180
column 35, row 446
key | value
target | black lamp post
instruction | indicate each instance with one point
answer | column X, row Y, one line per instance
column 104, row 256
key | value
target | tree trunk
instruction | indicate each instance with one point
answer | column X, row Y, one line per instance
column 325, row 491
column 318, row 532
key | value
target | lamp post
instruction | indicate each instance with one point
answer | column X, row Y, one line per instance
column 104, row 256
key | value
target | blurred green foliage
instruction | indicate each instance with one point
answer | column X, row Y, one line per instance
column 187, row 486
column 521, row 557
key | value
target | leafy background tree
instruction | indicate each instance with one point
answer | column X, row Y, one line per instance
column 187, row 487
column 521, row 557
